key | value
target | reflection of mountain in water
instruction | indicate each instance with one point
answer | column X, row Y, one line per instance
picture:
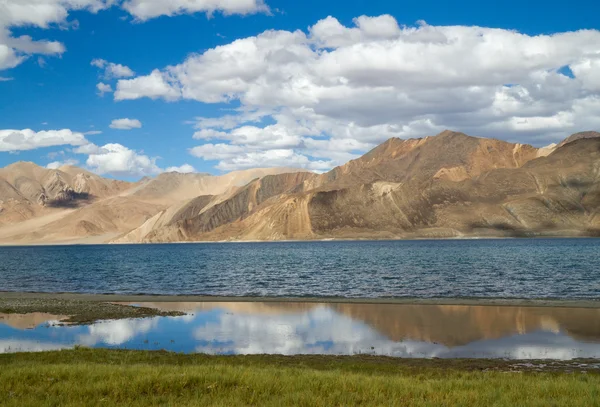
column 455, row 325
column 29, row 321
column 451, row 325
column 311, row 328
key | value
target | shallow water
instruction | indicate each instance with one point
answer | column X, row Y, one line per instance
column 510, row 268
column 399, row 330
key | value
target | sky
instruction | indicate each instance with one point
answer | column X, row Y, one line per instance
column 133, row 88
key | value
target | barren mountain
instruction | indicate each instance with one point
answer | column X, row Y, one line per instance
column 206, row 213
column 71, row 205
column 449, row 185
column 27, row 190
column 173, row 187
column 578, row 136
column 449, row 155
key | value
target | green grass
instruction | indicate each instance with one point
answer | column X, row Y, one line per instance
column 85, row 377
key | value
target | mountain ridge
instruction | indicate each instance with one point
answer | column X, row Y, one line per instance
column 448, row 185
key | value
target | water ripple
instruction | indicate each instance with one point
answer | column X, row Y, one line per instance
column 513, row 268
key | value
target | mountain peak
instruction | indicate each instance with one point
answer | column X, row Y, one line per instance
column 22, row 165
column 578, row 136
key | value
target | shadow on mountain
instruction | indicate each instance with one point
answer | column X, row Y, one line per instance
column 70, row 199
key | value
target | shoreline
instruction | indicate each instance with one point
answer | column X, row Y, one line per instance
column 143, row 298
column 82, row 242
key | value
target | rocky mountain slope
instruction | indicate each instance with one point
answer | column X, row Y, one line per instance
column 71, row 205
column 27, row 190
column 449, row 185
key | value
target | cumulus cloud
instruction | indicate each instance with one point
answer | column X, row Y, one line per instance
column 57, row 164
column 125, row 124
column 37, row 13
column 47, row 14
column 118, row 160
column 27, row 139
column 156, row 85
column 103, row 88
column 233, row 157
column 183, row 169
column 112, row 70
column 351, row 87
column 147, row 9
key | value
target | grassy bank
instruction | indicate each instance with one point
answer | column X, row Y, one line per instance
column 133, row 378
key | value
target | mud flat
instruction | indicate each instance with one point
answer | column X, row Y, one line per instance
column 75, row 311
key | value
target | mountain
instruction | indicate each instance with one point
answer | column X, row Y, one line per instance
column 579, row 136
column 448, row 185
column 71, row 205
column 27, row 190
column 206, row 213
column 173, row 187
column 449, row 155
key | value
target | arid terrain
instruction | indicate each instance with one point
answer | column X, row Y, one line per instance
column 449, row 185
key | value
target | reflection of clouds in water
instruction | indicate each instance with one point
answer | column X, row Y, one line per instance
column 18, row 345
column 535, row 345
column 187, row 318
column 117, row 332
column 320, row 330
column 323, row 331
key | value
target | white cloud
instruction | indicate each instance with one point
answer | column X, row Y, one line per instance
column 125, row 124
column 119, row 160
column 103, row 88
column 92, row 132
column 5, row 79
column 98, row 63
column 89, row 148
column 156, row 85
column 147, row 9
column 47, row 14
column 57, row 164
column 588, row 71
column 112, row 70
column 233, row 157
column 376, row 79
column 183, row 169
column 210, row 134
column 37, row 13
column 27, row 139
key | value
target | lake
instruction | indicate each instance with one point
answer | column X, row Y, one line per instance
column 399, row 330
column 503, row 268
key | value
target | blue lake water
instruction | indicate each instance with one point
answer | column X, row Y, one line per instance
column 510, row 268
column 397, row 330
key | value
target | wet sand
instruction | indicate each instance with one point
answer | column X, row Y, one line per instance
column 198, row 298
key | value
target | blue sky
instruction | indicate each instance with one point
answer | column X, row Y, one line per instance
column 342, row 86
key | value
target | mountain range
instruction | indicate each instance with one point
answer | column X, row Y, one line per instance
column 443, row 186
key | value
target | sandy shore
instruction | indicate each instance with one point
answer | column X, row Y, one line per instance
column 199, row 298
